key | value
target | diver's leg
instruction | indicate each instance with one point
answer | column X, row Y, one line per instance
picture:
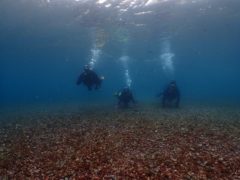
column 89, row 87
column 119, row 105
column 164, row 102
column 125, row 104
column 177, row 102
column 96, row 87
column 98, row 84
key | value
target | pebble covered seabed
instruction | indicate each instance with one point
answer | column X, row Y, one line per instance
column 142, row 143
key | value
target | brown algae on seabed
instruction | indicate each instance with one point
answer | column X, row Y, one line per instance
column 194, row 143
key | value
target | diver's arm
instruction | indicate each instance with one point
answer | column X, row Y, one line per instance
column 177, row 102
column 117, row 94
column 163, row 93
column 178, row 98
column 159, row 94
column 98, row 82
column 80, row 78
column 132, row 99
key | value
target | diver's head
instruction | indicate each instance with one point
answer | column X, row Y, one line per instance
column 173, row 83
column 86, row 67
column 126, row 89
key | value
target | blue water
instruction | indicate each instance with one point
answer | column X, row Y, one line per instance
column 44, row 45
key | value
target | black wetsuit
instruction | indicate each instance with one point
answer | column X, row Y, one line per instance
column 89, row 78
column 124, row 98
column 171, row 96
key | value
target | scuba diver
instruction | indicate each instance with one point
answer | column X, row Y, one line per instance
column 89, row 78
column 125, row 96
column 170, row 96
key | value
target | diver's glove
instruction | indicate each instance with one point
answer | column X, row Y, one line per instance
column 79, row 81
column 117, row 94
column 159, row 95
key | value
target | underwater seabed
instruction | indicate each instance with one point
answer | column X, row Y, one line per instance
column 147, row 142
